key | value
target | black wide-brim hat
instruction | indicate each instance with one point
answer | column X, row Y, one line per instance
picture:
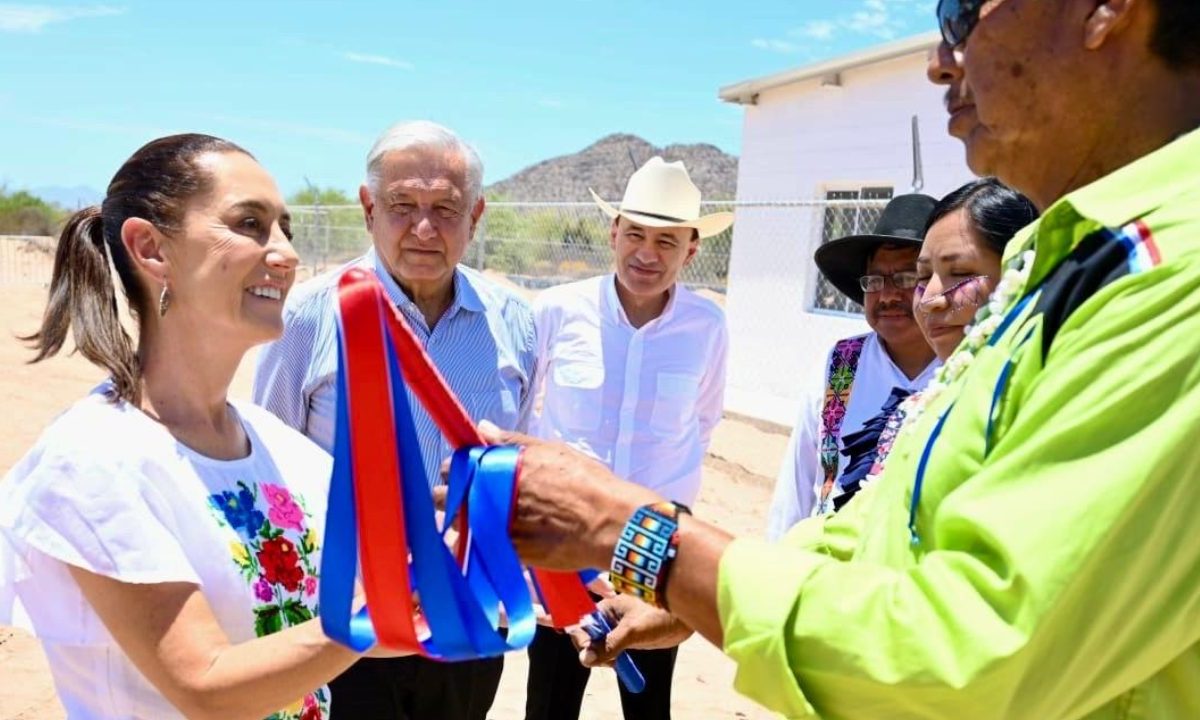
column 843, row 261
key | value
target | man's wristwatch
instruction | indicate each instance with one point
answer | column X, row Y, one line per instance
column 643, row 554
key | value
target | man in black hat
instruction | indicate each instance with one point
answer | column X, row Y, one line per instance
column 878, row 271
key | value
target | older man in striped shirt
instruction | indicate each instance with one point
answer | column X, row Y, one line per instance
column 421, row 202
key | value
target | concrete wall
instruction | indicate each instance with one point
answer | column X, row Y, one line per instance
column 798, row 142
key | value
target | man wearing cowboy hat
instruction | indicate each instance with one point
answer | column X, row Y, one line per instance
column 878, row 271
column 633, row 369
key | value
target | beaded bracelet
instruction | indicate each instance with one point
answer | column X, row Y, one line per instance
column 648, row 543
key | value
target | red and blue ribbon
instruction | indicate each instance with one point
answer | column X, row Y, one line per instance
column 422, row 596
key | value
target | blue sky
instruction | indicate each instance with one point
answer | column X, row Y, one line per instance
column 306, row 86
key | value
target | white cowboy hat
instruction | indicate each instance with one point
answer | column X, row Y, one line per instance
column 660, row 194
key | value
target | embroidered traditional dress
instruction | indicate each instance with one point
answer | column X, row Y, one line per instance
column 109, row 490
column 867, row 449
column 859, row 374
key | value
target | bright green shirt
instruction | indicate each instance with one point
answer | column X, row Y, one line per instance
column 1057, row 574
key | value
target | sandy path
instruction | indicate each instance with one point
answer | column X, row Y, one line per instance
column 735, row 495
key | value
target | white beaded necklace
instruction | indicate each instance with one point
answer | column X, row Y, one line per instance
column 987, row 320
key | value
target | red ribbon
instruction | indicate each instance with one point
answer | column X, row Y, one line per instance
column 378, row 498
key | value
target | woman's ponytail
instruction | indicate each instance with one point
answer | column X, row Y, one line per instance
column 83, row 300
column 155, row 184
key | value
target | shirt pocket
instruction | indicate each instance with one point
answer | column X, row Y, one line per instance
column 579, row 391
column 674, row 403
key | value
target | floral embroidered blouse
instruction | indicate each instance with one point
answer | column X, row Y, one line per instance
column 111, row 491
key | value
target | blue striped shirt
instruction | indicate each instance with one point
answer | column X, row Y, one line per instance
column 484, row 345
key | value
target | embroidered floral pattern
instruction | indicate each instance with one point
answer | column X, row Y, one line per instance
column 307, row 708
column 887, row 439
column 275, row 553
column 284, row 511
column 239, row 511
column 842, row 367
column 281, row 563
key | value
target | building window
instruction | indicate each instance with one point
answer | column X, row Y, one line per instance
column 841, row 219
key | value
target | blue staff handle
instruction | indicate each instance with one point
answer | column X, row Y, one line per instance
column 627, row 671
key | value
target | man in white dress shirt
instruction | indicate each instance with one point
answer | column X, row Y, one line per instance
column 633, row 370
column 878, row 271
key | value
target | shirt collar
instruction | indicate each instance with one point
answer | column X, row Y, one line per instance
column 920, row 380
column 466, row 295
column 1143, row 185
column 1113, row 201
column 616, row 311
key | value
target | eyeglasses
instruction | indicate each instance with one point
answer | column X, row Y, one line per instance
column 957, row 18
column 906, row 280
column 971, row 292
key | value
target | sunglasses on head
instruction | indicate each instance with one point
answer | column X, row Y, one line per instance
column 957, row 18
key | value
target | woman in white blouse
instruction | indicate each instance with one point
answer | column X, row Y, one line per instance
column 162, row 542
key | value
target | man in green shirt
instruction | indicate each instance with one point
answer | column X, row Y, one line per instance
column 1030, row 551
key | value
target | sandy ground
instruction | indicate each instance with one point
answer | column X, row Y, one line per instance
column 736, row 492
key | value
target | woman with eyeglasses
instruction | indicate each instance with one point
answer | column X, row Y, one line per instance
column 957, row 270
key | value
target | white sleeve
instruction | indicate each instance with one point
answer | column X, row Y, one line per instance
column 81, row 506
column 529, row 353
column 543, row 332
column 712, row 386
column 796, row 487
column 100, row 514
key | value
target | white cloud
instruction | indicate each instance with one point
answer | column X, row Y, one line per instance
column 816, row 30
column 890, row 18
column 551, row 103
column 377, row 60
column 32, row 18
column 779, row 46
column 883, row 19
column 877, row 22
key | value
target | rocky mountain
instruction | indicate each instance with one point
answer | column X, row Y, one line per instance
column 607, row 164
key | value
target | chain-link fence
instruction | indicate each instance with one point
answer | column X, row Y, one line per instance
column 26, row 259
column 538, row 245
column 845, row 213
column 535, row 244
column 326, row 236
column 842, row 218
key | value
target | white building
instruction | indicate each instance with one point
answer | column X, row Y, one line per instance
column 838, row 129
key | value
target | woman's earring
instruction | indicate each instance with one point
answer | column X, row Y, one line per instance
column 164, row 301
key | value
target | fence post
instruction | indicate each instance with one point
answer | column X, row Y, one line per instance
column 326, row 220
column 481, row 243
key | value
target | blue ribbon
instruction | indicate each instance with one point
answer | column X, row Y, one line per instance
column 461, row 608
column 919, row 483
column 460, row 604
column 998, row 392
column 339, row 559
column 627, row 671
